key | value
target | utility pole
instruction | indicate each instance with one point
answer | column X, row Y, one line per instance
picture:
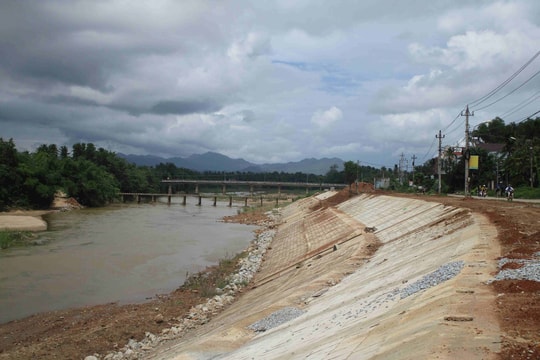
column 466, row 153
column 440, row 137
column 357, row 169
column 531, row 160
column 413, row 158
column 401, row 164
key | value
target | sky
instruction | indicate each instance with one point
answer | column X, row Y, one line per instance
column 372, row 81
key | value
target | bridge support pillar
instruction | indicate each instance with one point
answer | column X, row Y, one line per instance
column 184, row 200
column 199, row 203
column 196, row 188
column 170, row 190
column 215, row 200
column 223, row 189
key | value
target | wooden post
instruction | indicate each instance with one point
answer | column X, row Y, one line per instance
column 215, row 200
column 169, row 199
column 200, row 197
column 184, row 201
column 230, row 201
column 245, row 202
column 261, row 201
column 277, row 199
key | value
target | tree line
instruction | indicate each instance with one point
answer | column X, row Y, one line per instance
column 95, row 176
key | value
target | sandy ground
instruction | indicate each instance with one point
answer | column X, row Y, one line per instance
column 75, row 333
column 22, row 222
column 31, row 220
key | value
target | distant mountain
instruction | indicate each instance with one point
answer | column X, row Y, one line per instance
column 307, row 166
column 212, row 161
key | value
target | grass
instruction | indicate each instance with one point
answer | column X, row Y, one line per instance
column 526, row 192
column 14, row 238
column 208, row 281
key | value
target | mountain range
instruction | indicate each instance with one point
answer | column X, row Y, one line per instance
column 212, row 161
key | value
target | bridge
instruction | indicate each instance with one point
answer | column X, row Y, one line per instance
column 223, row 183
column 251, row 184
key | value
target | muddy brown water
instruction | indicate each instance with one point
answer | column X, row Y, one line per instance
column 122, row 253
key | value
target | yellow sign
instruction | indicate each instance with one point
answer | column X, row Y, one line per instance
column 473, row 162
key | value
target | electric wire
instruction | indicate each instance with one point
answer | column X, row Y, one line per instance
column 511, row 92
column 528, row 117
column 504, row 83
column 429, row 151
column 522, row 104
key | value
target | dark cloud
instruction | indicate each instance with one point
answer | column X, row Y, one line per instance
column 184, row 107
column 124, row 74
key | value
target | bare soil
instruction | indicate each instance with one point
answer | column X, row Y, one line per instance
column 76, row 333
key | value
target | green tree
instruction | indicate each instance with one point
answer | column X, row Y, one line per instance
column 9, row 176
column 333, row 176
column 41, row 176
column 90, row 184
column 351, row 171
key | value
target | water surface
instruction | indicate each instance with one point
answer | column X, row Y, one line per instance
column 115, row 254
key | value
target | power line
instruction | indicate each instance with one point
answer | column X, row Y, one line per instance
column 522, row 104
column 511, row 92
column 528, row 117
column 504, row 83
column 453, row 121
column 429, row 151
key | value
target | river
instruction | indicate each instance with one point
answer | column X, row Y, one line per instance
column 121, row 253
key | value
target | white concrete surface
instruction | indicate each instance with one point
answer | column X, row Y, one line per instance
column 363, row 316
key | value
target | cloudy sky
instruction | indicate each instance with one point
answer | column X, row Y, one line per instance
column 266, row 81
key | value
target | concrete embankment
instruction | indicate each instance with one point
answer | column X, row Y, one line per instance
column 375, row 277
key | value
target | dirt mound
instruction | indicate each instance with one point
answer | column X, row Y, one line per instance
column 63, row 202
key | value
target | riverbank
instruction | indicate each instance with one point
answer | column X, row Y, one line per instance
column 102, row 329
column 32, row 220
column 22, row 222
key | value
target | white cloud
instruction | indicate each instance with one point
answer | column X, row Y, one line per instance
column 325, row 119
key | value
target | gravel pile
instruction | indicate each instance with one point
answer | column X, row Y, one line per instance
column 276, row 318
column 529, row 270
column 444, row 273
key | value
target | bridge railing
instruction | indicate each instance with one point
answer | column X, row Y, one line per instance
column 254, row 183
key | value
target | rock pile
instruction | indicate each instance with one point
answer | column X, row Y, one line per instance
column 201, row 313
